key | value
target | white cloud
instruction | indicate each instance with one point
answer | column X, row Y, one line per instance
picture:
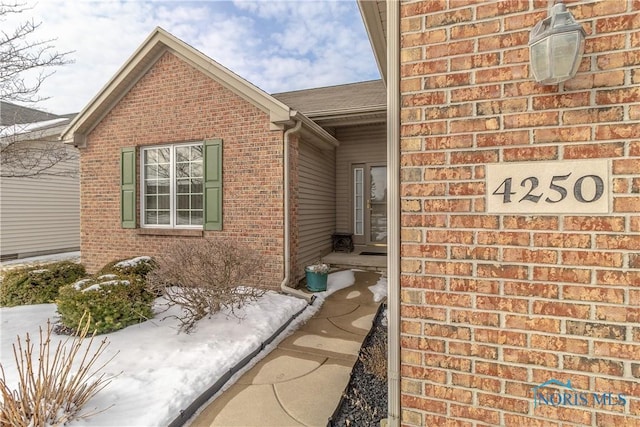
column 276, row 45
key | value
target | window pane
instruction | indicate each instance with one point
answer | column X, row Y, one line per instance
column 196, row 201
column 164, row 202
column 182, row 218
column 163, row 186
column 379, row 183
column 182, row 186
column 164, row 155
column 151, row 172
column 151, row 188
column 182, row 154
column 151, row 217
column 182, row 170
column 150, row 156
column 196, row 152
column 196, row 186
column 164, row 218
column 196, row 217
column 183, row 202
column 196, row 170
column 358, row 205
column 157, row 185
column 163, row 171
column 151, row 202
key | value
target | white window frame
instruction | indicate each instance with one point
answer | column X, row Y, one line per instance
column 172, row 187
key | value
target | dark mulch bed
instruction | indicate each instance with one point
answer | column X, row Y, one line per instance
column 364, row 402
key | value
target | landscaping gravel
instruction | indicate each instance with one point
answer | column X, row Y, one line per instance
column 364, row 402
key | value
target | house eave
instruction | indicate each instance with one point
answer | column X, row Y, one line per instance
column 375, row 23
column 314, row 133
column 349, row 117
column 50, row 133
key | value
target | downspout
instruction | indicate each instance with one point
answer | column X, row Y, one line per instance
column 284, row 286
column 393, row 209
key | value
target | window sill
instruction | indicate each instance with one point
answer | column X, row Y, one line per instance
column 169, row 232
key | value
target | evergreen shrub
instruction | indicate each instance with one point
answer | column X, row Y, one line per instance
column 113, row 300
column 37, row 284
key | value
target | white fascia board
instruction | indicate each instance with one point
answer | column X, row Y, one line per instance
column 375, row 31
column 345, row 112
column 313, row 131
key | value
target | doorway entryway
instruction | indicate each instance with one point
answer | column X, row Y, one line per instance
column 369, row 203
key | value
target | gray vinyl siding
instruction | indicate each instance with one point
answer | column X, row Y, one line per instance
column 358, row 144
column 39, row 216
column 316, row 209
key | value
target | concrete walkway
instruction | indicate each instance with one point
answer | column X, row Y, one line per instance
column 300, row 382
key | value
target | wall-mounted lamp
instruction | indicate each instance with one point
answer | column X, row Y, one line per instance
column 555, row 47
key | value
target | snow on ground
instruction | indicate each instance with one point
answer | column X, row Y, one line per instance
column 379, row 290
column 42, row 259
column 159, row 371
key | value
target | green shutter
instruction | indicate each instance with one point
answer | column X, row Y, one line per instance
column 213, row 184
column 128, row 187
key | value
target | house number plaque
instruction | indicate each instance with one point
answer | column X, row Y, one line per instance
column 578, row 187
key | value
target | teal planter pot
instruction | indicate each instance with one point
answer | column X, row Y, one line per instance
column 316, row 282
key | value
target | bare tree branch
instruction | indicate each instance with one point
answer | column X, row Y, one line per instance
column 20, row 53
column 29, row 159
column 25, row 63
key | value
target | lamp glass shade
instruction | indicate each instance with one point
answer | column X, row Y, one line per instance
column 556, row 58
column 556, row 47
column 539, row 53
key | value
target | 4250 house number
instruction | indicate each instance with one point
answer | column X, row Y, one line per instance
column 548, row 187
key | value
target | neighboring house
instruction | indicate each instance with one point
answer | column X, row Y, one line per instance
column 40, row 214
column 497, row 289
column 177, row 147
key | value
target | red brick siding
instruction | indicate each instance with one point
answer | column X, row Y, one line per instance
column 493, row 305
column 174, row 103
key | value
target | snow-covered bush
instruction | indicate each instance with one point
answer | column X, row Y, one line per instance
column 54, row 384
column 204, row 277
column 138, row 266
column 37, row 284
column 114, row 300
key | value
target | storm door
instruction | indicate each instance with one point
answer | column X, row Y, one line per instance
column 369, row 204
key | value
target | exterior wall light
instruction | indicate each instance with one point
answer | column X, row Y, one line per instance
column 555, row 47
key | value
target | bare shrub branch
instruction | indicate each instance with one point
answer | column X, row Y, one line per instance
column 374, row 358
column 204, row 277
column 53, row 386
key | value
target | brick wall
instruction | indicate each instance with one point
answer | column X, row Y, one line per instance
column 493, row 305
column 176, row 103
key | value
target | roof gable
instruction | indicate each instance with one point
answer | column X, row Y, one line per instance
column 159, row 42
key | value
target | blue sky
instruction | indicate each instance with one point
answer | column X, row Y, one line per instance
column 277, row 45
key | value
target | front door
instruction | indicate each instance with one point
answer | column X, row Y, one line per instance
column 369, row 204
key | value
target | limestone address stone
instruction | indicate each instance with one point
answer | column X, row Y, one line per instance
column 576, row 187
